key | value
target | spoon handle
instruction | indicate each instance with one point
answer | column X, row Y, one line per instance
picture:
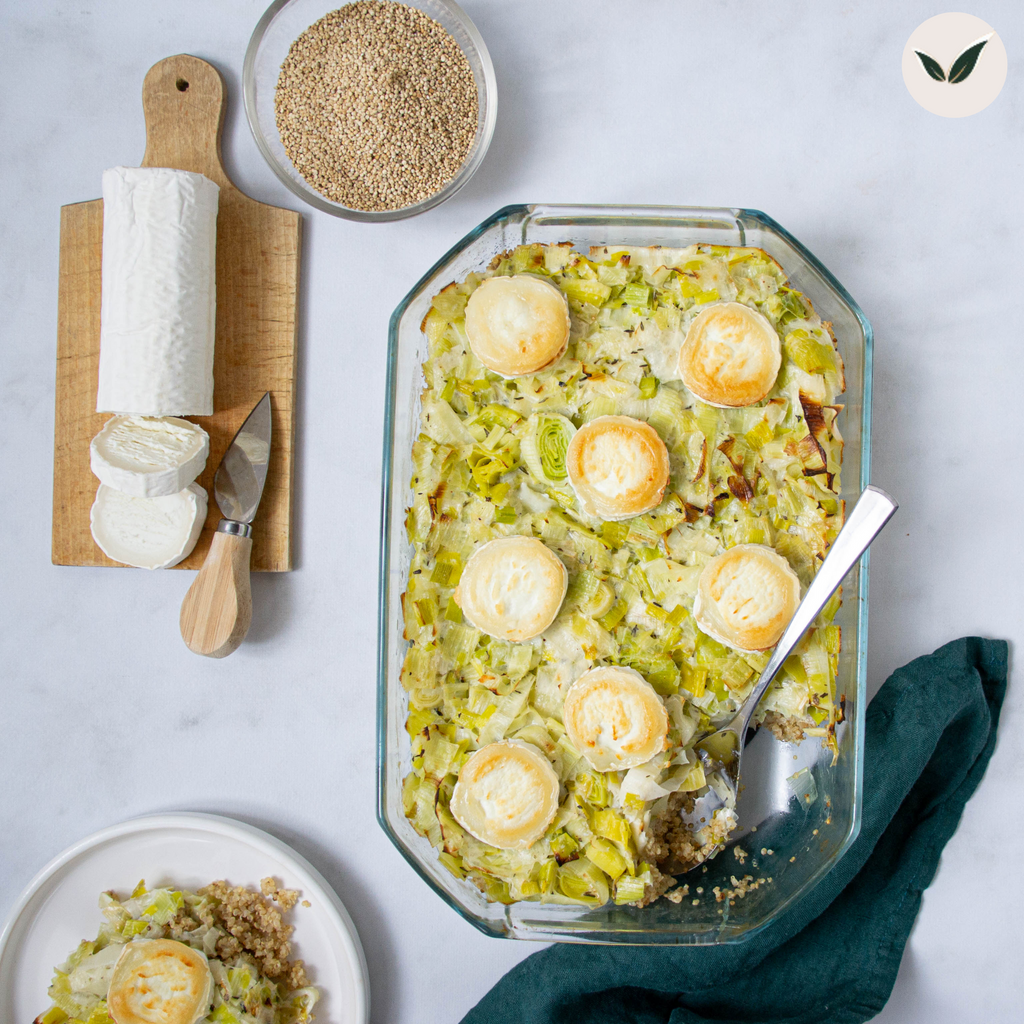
column 873, row 510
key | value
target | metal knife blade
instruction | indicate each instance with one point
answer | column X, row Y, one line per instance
column 238, row 483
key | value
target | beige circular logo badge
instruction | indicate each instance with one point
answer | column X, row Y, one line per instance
column 954, row 65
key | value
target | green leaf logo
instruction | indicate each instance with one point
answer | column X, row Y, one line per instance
column 964, row 64
column 932, row 66
column 946, row 51
column 960, row 68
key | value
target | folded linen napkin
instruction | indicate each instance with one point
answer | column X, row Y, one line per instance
column 931, row 730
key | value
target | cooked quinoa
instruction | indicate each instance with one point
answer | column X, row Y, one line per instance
column 252, row 924
column 789, row 729
column 740, row 888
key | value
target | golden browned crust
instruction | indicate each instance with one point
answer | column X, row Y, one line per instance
column 730, row 356
column 512, row 588
column 746, row 597
column 517, row 325
column 615, row 718
column 618, row 466
column 507, row 795
column 159, row 981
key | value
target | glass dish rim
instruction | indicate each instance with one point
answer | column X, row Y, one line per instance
column 616, row 213
column 315, row 199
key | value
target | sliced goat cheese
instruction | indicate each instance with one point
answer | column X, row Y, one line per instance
column 506, row 795
column 746, row 597
column 617, row 466
column 150, row 533
column 615, row 718
column 160, row 981
column 517, row 325
column 158, row 303
column 147, row 457
column 512, row 588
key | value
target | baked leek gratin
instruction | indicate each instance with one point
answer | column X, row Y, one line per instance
column 169, row 956
column 534, row 788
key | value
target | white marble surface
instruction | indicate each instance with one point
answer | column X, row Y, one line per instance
column 797, row 109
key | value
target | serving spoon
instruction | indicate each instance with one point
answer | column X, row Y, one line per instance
column 722, row 749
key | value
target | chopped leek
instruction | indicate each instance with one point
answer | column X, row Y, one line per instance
column 583, row 881
column 612, row 826
column 593, row 292
column 636, row 295
column 447, row 569
column 544, row 447
column 563, row 846
column 630, row 888
column 592, row 788
column 606, row 857
column 615, row 533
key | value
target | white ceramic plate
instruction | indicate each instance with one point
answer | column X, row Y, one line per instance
column 59, row 907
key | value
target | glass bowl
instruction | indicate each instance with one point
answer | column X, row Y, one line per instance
column 806, row 810
column 282, row 23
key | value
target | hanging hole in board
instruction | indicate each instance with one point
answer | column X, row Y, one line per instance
column 182, row 85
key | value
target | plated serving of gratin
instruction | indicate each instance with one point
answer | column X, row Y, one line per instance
column 626, row 476
column 220, row 955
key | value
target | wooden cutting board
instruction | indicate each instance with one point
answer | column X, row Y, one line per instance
column 183, row 99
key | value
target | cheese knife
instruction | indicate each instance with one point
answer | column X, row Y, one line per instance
column 217, row 609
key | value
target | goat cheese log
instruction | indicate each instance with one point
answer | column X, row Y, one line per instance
column 159, row 295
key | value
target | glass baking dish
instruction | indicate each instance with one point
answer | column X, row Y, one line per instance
column 802, row 811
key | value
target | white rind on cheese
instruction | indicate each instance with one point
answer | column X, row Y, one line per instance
column 148, row 457
column 158, row 304
column 149, row 533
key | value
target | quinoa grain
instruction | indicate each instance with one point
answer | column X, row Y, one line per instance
column 376, row 106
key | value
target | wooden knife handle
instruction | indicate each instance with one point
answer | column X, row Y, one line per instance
column 217, row 609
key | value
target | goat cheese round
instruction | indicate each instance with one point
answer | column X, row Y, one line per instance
column 160, row 981
column 730, row 356
column 512, row 588
column 507, row 795
column 615, row 718
column 746, row 597
column 618, row 467
column 148, row 457
column 149, row 533
column 517, row 325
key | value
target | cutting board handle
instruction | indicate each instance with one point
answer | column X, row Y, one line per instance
column 183, row 99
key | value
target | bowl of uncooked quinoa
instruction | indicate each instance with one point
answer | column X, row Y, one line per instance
column 372, row 110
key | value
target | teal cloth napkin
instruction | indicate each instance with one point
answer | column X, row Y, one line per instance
column 931, row 730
